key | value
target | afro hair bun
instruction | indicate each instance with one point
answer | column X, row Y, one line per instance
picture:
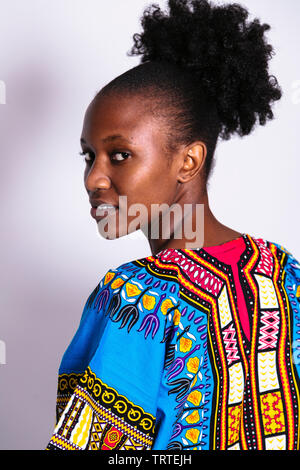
column 227, row 55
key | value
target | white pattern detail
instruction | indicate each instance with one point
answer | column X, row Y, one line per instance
column 267, row 373
column 235, row 446
column 267, row 294
column 276, row 442
column 236, row 383
column 224, row 308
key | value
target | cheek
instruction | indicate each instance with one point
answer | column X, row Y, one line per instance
column 154, row 185
column 144, row 187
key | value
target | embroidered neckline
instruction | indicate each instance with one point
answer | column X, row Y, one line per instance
column 226, row 246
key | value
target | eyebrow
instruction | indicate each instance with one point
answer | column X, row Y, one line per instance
column 110, row 138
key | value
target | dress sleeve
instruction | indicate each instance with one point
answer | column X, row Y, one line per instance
column 292, row 288
column 115, row 363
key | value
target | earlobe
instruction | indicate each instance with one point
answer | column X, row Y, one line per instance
column 186, row 170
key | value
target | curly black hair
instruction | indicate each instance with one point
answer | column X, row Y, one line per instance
column 205, row 68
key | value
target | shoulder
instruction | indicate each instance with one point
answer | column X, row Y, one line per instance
column 285, row 257
column 136, row 294
column 281, row 251
column 291, row 264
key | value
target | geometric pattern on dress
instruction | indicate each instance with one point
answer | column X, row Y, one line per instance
column 96, row 433
column 78, row 425
column 269, row 331
column 193, row 437
column 185, row 376
column 118, row 411
column 265, row 265
column 276, row 442
column 272, row 413
column 89, row 415
column 236, row 383
column 267, row 294
column 187, row 371
column 234, row 447
column 230, row 342
column 234, row 421
column 65, row 388
column 263, row 368
column 267, row 371
column 61, row 403
column 224, row 308
column 194, row 385
column 107, row 437
column 196, row 273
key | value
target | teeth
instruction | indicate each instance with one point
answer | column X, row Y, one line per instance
column 106, row 207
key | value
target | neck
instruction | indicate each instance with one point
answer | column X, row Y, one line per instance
column 204, row 227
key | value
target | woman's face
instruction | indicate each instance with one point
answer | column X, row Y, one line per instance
column 124, row 146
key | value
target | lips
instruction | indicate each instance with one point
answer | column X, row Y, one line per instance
column 98, row 202
column 103, row 210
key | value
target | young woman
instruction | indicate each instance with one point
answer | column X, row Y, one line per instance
column 190, row 348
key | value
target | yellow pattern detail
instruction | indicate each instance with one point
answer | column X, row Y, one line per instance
column 195, row 397
column 117, row 283
column 193, row 365
column 192, row 435
column 132, row 290
column 185, row 344
column 234, row 419
column 176, row 317
column 108, row 277
column 62, row 443
column 272, row 413
column 166, row 305
column 83, row 428
column 193, row 417
column 193, row 383
column 148, row 301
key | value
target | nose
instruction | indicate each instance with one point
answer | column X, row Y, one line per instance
column 97, row 177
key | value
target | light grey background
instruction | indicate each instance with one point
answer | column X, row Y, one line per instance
column 54, row 56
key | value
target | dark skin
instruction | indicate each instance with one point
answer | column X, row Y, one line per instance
column 135, row 165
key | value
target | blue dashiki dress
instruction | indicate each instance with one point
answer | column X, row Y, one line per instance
column 187, row 350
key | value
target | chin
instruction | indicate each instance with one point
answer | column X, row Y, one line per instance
column 109, row 233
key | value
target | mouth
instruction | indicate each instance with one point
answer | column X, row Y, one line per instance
column 103, row 210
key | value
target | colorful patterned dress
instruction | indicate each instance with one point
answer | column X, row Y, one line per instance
column 187, row 350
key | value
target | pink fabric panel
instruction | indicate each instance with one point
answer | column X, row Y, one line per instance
column 230, row 253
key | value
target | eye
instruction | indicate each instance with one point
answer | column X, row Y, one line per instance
column 120, row 156
column 88, row 156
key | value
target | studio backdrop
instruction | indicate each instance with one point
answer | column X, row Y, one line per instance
column 54, row 56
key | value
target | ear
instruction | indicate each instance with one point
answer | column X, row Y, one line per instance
column 193, row 161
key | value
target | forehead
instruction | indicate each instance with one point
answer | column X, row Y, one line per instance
column 128, row 115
